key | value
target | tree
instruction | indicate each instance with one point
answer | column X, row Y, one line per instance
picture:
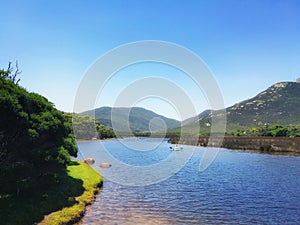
column 104, row 132
column 278, row 130
column 86, row 127
column 36, row 138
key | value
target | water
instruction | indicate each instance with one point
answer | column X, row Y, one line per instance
column 238, row 188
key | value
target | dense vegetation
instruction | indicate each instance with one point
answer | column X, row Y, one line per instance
column 36, row 142
column 86, row 128
column 275, row 130
column 35, row 138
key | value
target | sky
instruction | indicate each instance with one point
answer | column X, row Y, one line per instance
column 247, row 45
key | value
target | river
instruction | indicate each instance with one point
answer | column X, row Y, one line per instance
column 237, row 188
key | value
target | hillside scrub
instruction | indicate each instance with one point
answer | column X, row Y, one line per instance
column 86, row 128
column 37, row 175
column 36, row 139
column 275, row 130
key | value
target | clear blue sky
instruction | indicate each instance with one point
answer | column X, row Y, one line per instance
column 249, row 45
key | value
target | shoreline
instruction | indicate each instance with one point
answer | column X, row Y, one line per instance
column 82, row 140
column 93, row 140
column 276, row 145
column 92, row 183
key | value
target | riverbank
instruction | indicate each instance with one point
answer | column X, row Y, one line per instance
column 63, row 198
column 84, row 140
column 262, row 144
column 92, row 140
column 92, row 182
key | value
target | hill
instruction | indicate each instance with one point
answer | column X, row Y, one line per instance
column 280, row 104
column 86, row 128
column 139, row 119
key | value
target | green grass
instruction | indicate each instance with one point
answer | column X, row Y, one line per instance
column 91, row 178
column 62, row 198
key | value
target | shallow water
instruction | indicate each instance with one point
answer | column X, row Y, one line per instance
column 238, row 188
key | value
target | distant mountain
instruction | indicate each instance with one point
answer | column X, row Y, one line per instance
column 280, row 103
column 139, row 119
column 197, row 118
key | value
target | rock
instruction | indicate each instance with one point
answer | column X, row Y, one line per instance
column 105, row 165
column 89, row 161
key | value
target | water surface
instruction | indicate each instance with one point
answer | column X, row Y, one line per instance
column 238, row 188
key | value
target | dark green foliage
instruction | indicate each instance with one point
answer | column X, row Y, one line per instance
column 48, row 194
column 104, row 132
column 142, row 134
column 275, row 130
column 35, row 138
column 83, row 126
column 86, row 128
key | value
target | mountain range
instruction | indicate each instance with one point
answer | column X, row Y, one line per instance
column 280, row 103
column 140, row 119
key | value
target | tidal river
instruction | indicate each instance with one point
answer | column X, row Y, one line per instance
column 238, row 188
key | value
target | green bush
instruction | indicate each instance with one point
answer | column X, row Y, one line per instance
column 35, row 138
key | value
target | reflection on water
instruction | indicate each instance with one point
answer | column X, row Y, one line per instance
column 238, row 188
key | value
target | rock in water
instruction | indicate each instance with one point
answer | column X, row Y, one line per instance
column 89, row 161
column 105, row 165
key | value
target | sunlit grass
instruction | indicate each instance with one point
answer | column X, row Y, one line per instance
column 62, row 198
column 91, row 179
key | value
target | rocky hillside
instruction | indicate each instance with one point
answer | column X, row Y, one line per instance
column 280, row 103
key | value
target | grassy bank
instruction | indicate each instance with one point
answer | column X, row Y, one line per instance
column 62, row 198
